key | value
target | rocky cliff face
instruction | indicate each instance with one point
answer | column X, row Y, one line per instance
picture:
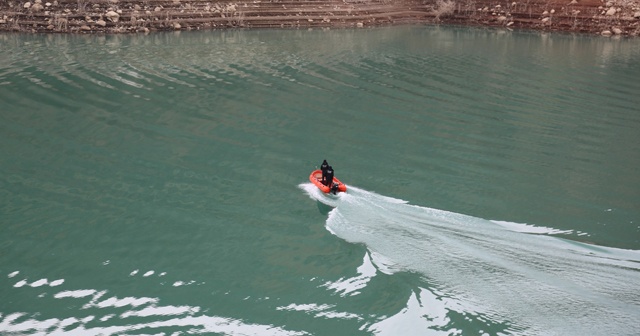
column 611, row 18
column 621, row 17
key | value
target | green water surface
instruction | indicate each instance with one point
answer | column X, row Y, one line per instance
column 151, row 184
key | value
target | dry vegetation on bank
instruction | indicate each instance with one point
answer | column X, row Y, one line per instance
column 613, row 17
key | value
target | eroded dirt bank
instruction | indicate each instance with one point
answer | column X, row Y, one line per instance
column 608, row 18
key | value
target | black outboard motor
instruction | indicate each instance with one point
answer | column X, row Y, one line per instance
column 334, row 188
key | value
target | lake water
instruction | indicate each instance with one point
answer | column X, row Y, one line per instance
column 158, row 185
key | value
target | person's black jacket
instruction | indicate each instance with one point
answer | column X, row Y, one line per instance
column 323, row 168
column 329, row 176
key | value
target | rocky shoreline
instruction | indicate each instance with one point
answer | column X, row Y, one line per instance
column 607, row 18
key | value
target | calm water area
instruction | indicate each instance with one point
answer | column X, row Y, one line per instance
column 159, row 184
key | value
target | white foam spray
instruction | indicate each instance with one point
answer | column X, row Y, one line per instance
column 518, row 274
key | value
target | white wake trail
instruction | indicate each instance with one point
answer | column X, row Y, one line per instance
column 539, row 284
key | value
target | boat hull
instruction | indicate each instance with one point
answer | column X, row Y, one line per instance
column 316, row 179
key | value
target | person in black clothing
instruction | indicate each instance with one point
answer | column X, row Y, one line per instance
column 323, row 168
column 329, row 177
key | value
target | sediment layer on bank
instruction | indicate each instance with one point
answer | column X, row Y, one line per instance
column 610, row 18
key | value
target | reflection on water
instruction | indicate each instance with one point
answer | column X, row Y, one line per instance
column 133, row 63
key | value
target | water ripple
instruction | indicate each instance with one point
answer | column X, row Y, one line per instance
column 102, row 314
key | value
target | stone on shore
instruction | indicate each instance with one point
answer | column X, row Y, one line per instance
column 37, row 7
column 112, row 16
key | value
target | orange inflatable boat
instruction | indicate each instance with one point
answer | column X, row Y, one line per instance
column 316, row 179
